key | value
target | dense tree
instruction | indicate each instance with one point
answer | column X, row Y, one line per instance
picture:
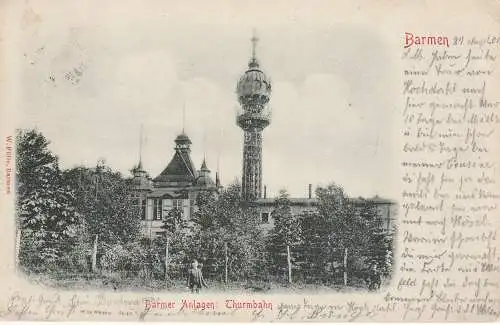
column 338, row 231
column 377, row 242
column 285, row 232
column 173, row 222
column 354, row 229
column 317, row 249
column 105, row 202
column 246, row 244
column 225, row 224
column 46, row 214
column 180, row 236
column 205, row 215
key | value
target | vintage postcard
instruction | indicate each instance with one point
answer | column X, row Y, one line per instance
column 236, row 161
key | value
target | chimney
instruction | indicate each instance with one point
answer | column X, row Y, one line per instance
column 310, row 191
column 217, row 181
column 265, row 191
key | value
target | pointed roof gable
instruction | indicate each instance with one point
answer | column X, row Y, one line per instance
column 180, row 169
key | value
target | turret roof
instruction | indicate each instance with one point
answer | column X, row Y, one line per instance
column 204, row 178
column 204, row 165
column 180, row 169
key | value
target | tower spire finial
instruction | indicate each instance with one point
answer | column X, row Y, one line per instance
column 221, row 136
column 217, row 172
column 183, row 116
column 204, row 167
column 204, row 145
column 140, row 148
column 254, row 40
column 253, row 61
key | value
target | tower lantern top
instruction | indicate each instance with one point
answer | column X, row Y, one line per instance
column 254, row 86
column 182, row 142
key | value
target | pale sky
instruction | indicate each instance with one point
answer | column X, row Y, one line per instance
column 330, row 99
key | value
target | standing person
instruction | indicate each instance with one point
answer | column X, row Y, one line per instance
column 195, row 278
column 375, row 278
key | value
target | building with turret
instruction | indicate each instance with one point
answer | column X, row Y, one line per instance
column 177, row 186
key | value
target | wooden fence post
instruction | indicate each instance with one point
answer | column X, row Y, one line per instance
column 94, row 255
column 166, row 261
column 345, row 266
column 226, row 260
column 289, row 260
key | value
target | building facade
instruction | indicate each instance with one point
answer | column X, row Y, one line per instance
column 176, row 187
column 386, row 209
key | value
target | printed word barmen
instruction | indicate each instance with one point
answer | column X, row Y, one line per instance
column 411, row 39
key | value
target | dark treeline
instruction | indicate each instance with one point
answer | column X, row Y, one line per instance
column 69, row 217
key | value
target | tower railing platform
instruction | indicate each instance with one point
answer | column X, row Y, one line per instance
column 248, row 118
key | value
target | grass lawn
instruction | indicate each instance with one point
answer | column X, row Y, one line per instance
column 114, row 282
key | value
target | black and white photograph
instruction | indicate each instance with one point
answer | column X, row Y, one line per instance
column 251, row 159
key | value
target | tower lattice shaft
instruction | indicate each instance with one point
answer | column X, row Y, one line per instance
column 252, row 165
